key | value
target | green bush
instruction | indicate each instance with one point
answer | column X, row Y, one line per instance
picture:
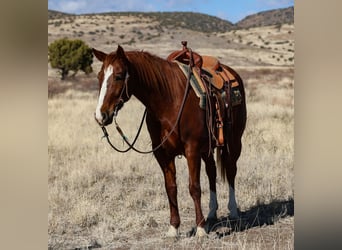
column 70, row 55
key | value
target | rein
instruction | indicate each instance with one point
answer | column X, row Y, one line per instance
column 131, row 145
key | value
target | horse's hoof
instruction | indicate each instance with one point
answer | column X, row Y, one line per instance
column 200, row 232
column 172, row 233
column 210, row 224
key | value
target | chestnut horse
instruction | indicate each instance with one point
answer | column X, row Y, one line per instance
column 161, row 87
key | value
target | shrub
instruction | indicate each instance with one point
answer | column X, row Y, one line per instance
column 70, row 55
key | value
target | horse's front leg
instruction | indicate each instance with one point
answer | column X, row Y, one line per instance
column 167, row 165
column 194, row 163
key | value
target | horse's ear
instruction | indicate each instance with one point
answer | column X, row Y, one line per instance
column 99, row 54
column 120, row 52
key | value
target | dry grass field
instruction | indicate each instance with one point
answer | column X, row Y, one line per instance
column 101, row 199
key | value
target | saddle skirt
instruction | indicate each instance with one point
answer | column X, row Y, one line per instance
column 218, row 74
column 207, row 71
column 208, row 65
column 214, row 84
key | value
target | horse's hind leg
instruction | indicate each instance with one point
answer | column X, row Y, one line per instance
column 210, row 168
column 230, row 160
column 232, row 206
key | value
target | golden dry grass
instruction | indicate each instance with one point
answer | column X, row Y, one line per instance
column 98, row 197
column 102, row 199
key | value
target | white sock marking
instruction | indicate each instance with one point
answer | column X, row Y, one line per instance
column 108, row 72
column 232, row 207
column 200, row 232
column 212, row 205
column 172, row 233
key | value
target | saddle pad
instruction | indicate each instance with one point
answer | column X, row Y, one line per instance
column 196, row 83
column 217, row 80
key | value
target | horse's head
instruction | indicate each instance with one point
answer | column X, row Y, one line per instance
column 113, row 78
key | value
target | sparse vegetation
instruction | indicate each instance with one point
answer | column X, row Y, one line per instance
column 93, row 192
column 268, row 18
column 70, row 55
column 99, row 198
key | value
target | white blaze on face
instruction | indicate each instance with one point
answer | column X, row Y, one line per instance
column 107, row 73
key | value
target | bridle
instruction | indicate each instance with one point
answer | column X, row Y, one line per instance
column 131, row 146
column 116, row 110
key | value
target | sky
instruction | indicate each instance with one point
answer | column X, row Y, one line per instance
column 231, row 10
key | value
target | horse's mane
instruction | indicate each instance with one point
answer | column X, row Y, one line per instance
column 158, row 74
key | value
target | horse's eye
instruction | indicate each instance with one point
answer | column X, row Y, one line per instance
column 118, row 78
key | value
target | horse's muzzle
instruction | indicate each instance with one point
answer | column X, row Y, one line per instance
column 106, row 119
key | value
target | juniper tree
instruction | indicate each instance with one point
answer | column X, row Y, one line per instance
column 70, row 55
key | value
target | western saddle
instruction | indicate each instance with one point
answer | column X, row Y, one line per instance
column 221, row 85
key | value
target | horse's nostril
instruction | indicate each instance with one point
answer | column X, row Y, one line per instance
column 104, row 117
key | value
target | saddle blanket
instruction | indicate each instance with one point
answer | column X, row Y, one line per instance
column 196, row 83
column 215, row 80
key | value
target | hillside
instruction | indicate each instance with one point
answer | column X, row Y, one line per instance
column 200, row 22
column 52, row 14
column 187, row 20
column 93, row 199
column 266, row 18
column 161, row 33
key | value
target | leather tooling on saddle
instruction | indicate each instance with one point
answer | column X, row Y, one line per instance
column 214, row 84
column 207, row 70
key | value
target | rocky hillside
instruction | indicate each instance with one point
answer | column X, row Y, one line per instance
column 161, row 33
column 267, row 18
column 187, row 20
column 200, row 22
column 52, row 14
